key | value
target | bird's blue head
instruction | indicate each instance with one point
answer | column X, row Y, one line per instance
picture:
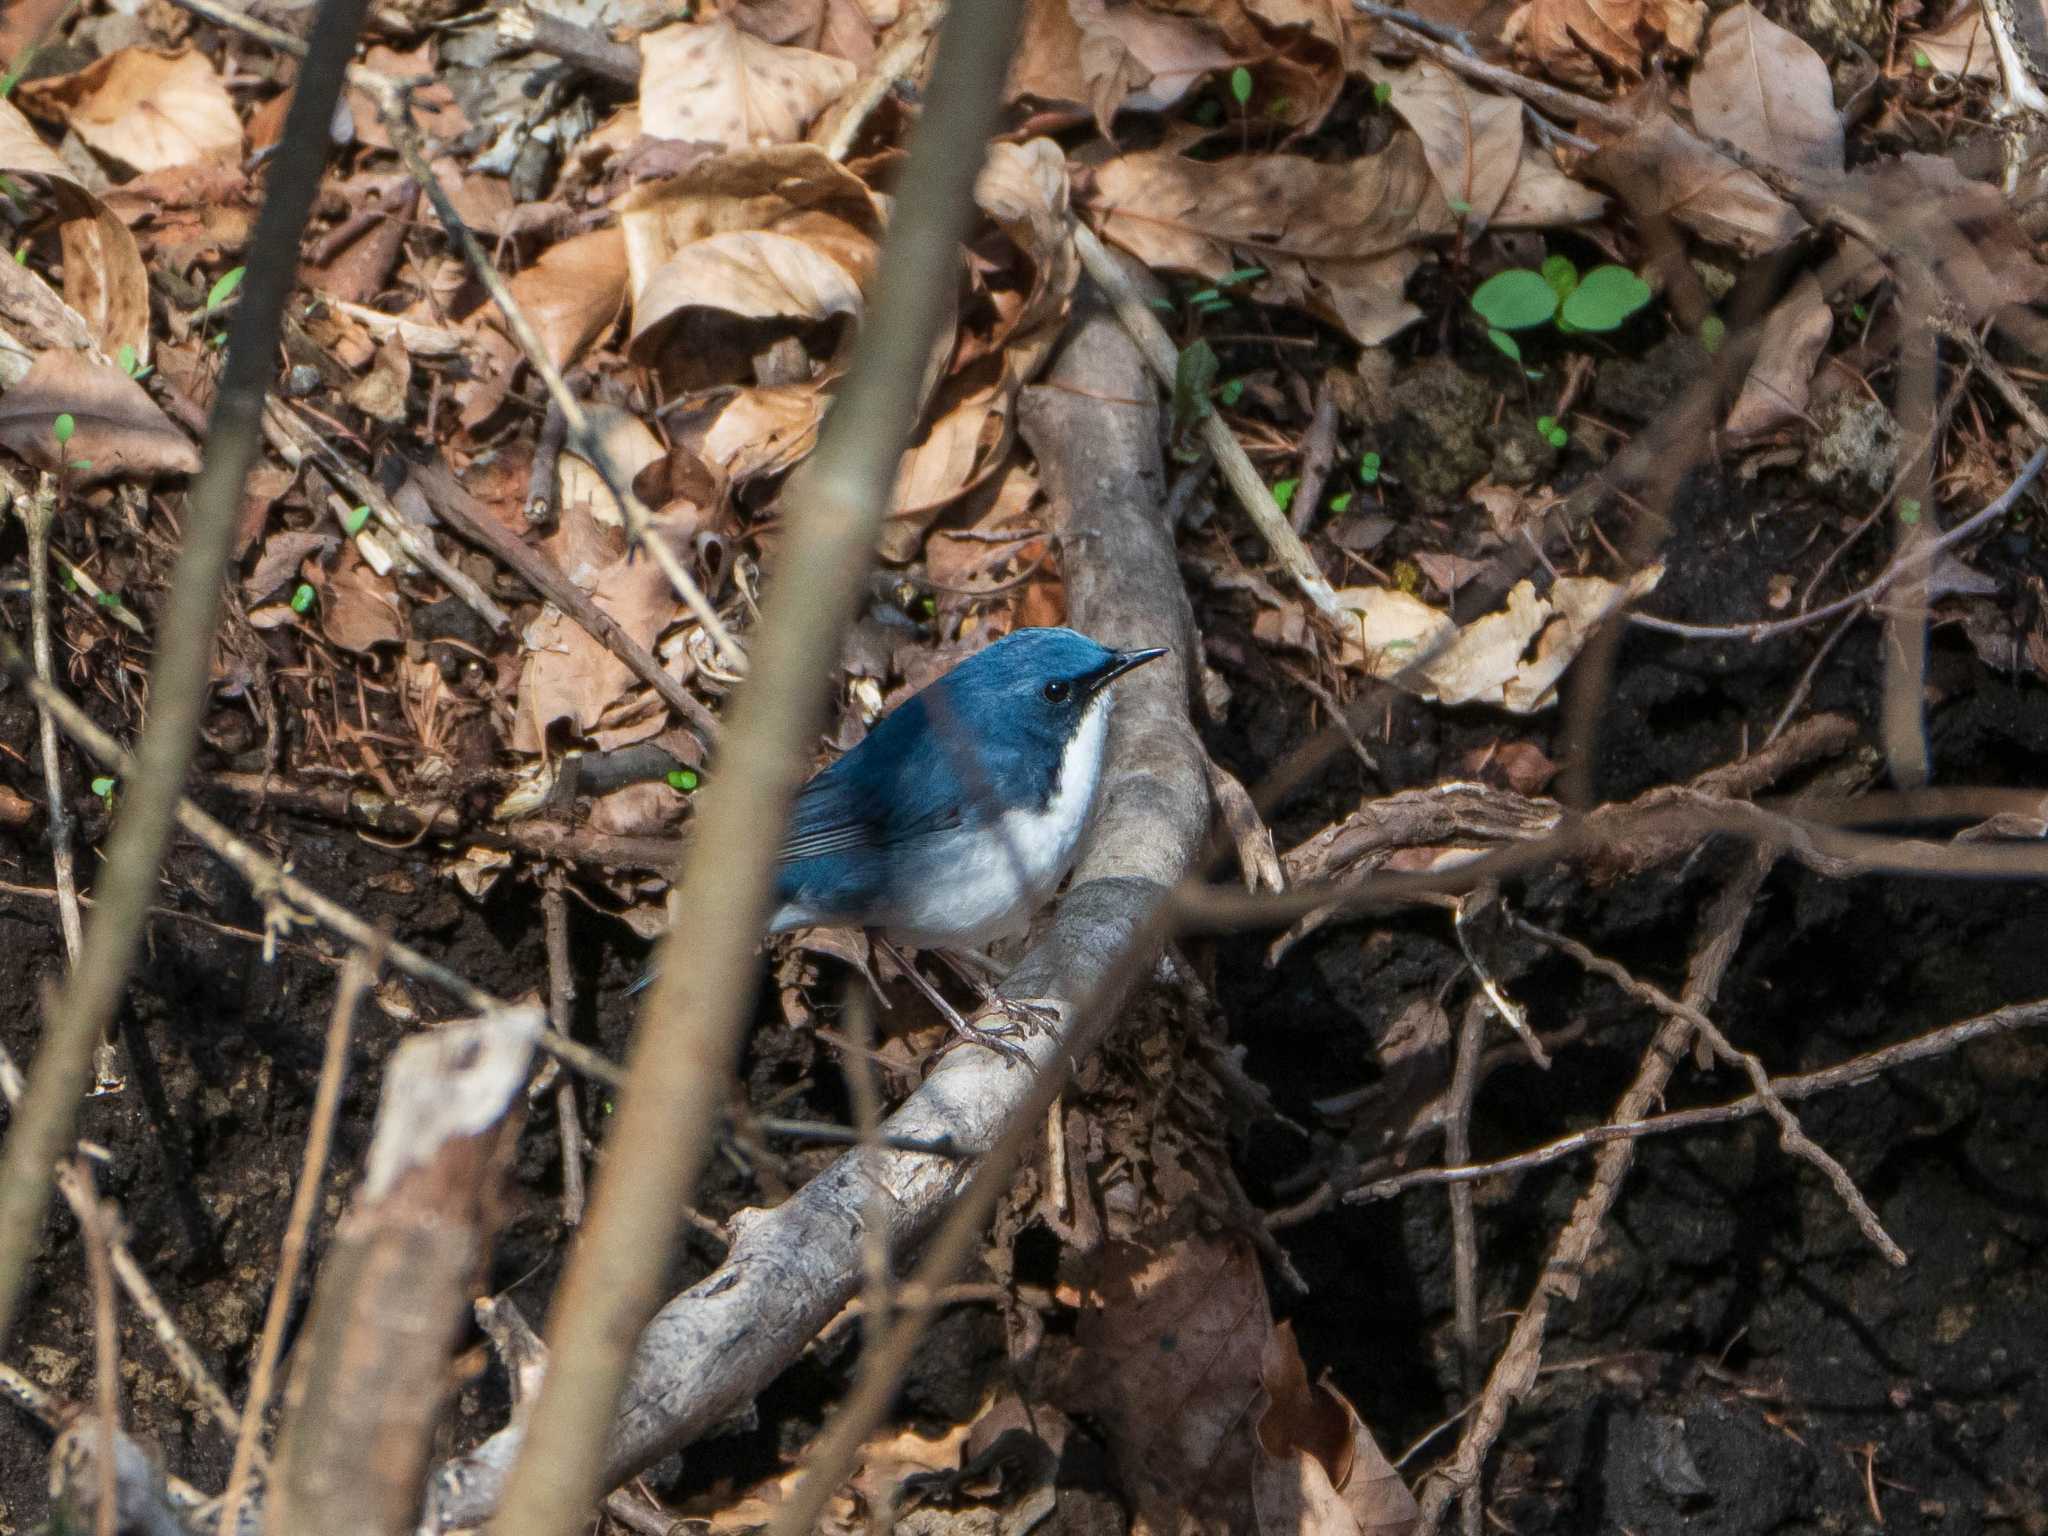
column 1032, row 685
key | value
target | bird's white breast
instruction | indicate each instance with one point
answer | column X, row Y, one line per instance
column 986, row 882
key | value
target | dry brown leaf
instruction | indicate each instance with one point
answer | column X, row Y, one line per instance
column 1319, row 1471
column 1960, row 46
column 795, row 193
column 1766, row 91
column 1795, row 333
column 760, row 431
column 1682, row 177
column 1542, row 197
column 1472, row 140
column 434, row 108
column 842, row 28
column 380, row 393
column 573, row 294
column 571, row 676
column 1332, row 238
column 1174, row 1345
column 118, row 429
column 581, row 490
column 710, row 81
column 143, row 109
column 283, row 552
column 1963, row 230
column 104, row 280
column 358, row 609
column 1589, row 42
column 1403, row 640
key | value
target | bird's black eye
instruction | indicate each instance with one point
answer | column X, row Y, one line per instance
column 1056, row 691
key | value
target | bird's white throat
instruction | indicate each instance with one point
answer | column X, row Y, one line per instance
column 994, row 878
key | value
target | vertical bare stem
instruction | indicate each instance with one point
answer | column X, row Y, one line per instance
column 178, row 682
column 356, row 977
column 106, row 1350
column 690, row 1026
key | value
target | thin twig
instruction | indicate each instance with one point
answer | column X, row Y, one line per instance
column 182, row 673
column 1791, row 1135
column 36, row 509
column 356, row 978
column 687, row 1039
column 1464, row 1226
column 584, row 440
column 1231, row 459
column 1318, row 453
column 1514, row 1372
column 554, row 908
column 284, row 895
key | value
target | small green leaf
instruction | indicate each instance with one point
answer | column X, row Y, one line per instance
column 352, row 523
column 1204, row 296
column 1562, row 276
column 1382, row 92
column 125, row 359
column 927, row 606
column 1505, row 342
column 1909, row 511
column 1369, row 465
column 1166, row 304
column 223, row 288
column 63, row 427
column 1238, row 275
column 1240, row 85
column 1514, row 300
column 1283, row 492
column 103, row 787
column 1218, row 306
column 1921, row 61
column 302, row 597
column 1459, row 206
column 1859, row 313
column 108, row 599
column 80, row 465
column 1340, row 502
column 1713, row 331
column 683, row 780
column 1605, row 297
column 70, row 582
column 1556, row 435
column 1231, row 392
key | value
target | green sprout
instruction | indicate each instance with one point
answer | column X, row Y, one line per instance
column 683, row 780
column 1521, row 299
column 1240, row 85
column 1340, row 502
column 353, row 522
column 103, row 790
column 1920, row 60
column 108, row 599
column 1382, row 92
column 302, row 597
column 224, row 288
column 1909, row 511
column 1231, row 392
column 1369, row 469
column 63, row 427
column 1283, row 492
column 1713, row 331
column 1553, row 434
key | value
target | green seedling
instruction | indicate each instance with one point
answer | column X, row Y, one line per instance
column 108, row 599
column 354, row 522
column 1553, row 434
column 1369, row 469
column 130, row 364
column 1240, row 85
column 1231, row 392
column 1713, row 331
column 1194, row 378
column 103, row 790
column 1341, row 502
column 1382, row 92
column 224, row 288
column 1921, row 62
column 683, row 780
column 1909, row 511
column 1522, row 299
column 1283, row 492
column 63, row 428
column 302, row 597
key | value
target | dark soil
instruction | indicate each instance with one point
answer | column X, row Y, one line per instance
column 1738, row 1359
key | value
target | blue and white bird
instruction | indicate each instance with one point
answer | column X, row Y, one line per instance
column 960, row 813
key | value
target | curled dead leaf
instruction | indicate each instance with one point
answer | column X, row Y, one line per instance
column 1472, row 139
column 1588, row 43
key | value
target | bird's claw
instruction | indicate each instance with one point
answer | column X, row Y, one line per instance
column 1004, row 1020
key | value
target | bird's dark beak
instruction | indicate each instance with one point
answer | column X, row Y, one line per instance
column 1119, row 664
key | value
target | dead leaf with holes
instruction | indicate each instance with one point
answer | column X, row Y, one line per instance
column 711, row 82
column 1471, row 138
column 142, row 109
column 1766, row 91
column 106, row 289
column 1511, row 658
column 1336, row 239
column 118, row 431
column 1591, row 43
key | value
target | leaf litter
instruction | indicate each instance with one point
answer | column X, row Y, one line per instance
column 1317, row 202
